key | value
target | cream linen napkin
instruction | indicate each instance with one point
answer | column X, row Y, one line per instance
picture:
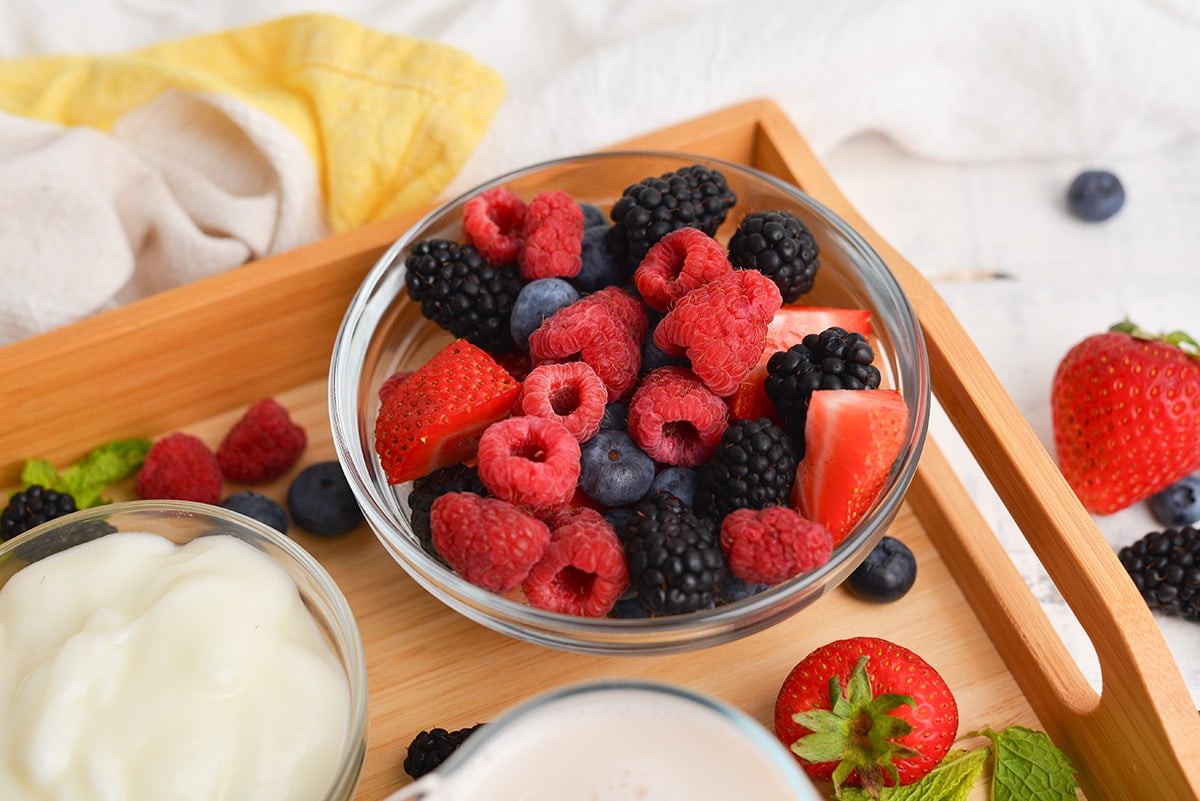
column 124, row 175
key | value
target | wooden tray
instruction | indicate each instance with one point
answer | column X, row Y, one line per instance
column 193, row 358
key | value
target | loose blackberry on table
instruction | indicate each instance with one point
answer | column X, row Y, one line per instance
column 431, row 747
column 780, row 246
column 460, row 291
column 754, row 466
column 833, row 359
column 31, row 507
column 1165, row 567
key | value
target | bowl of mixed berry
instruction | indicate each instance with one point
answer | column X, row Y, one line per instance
column 629, row 401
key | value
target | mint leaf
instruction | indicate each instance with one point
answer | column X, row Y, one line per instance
column 951, row 780
column 102, row 467
column 1029, row 767
column 39, row 471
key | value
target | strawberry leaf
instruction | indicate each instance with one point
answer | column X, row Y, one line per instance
column 1179, row 339
column 951, row 780
column 1029, row 767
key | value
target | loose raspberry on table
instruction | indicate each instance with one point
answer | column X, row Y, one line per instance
column 180, row 467
column 600, row 329
column 553, row 241
column 487, row 541
column 583, row 570
column 678, row 263
column 721, row 327
column 262, row 445
column 529, row 461
column 494, row 222
column 570, row 393
column 675, row 419
column 772, row 545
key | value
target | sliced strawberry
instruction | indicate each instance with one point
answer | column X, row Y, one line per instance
column 435, row 417
column 789, row 326
column 851, row 440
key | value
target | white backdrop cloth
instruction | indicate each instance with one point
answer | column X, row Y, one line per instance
column 953, row 125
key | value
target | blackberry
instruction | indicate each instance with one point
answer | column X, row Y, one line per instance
column 32, row 507
column 431, row 748
column 674, row 556
column 754, row 466
column 462, row 293
column 833, row 359
column 694, row 196
column 1165, row 567
column 428, row 488
column 779, row 246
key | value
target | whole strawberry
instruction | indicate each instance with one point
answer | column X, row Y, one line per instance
column 1126, row 414
column 866, row 711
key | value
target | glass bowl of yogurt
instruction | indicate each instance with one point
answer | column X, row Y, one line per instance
column 385, row 332
column 169, row 649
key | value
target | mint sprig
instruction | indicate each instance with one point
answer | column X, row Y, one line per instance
column 1027, row 767
column 86, row 480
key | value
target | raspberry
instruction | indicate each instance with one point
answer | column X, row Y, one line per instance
column 600, row 329
column 623, row 307
column 678, row 263
column 721, row 327
column 529, row 461
column 570, row 393
column 487, row 541
column 583, row 570
column 262, row 445
column 181, row 467
column 675, row 419
column 494, row 222
column 553, row 237
column 772, row 545
column 428, row 488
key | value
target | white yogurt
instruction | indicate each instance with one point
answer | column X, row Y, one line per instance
column 132, row 668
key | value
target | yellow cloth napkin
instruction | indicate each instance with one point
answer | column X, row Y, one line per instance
column 388, row 120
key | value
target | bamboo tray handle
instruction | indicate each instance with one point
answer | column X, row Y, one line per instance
column 1140, row 737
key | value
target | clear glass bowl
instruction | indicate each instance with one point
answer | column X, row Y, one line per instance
column 383, row 331
column 183, row 521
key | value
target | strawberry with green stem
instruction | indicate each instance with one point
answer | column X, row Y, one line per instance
column 1125, row 406
column 866, row 711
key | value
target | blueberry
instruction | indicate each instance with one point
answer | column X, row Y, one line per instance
column 733, row 589
column 654, row 357
column 613, row 470
column 679, row 481
column 259, row 507
column 599, row 267
column 321, row 502
column 536, row 301
column 1095, row 195
column 1178, row 504
column 593, row 215
column 886, row 574
column 615, row 417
